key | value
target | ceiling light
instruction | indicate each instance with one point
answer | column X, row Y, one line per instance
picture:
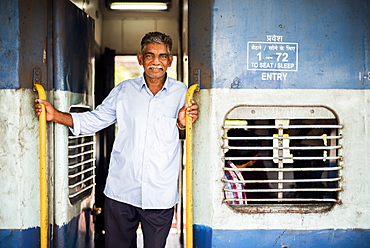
column 138, row 6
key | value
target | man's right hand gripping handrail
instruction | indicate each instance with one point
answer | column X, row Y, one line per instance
column 44, row 221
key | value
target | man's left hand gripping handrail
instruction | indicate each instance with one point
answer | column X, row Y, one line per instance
column 189, row 170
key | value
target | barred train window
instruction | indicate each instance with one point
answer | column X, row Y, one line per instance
column 81, row 163
column 282, row 159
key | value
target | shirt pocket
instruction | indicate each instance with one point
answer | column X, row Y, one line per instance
column 167, row 130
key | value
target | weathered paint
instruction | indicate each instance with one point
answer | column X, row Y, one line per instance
column 73, row 48
column 331, row 37
column 29, row 238
column 207, row 237
column 19, row 167
column 63, row 50
column 9, row 45
column 207, row 153
column 328, row 66
column 23, row 43
column 76, row 233
column 19, row 160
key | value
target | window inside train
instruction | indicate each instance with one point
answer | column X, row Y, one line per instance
column 81, row 163
column 286, row 159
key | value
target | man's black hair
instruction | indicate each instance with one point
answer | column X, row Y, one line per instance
column 156, row 38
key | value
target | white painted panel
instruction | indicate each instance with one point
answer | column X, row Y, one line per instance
column 125, row 35
column 19, row 160
column 133, row 32
column 214, row 104
column 112, row 34
column 64, row 211
column 170, row 27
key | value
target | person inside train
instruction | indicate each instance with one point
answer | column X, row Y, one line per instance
column 143, row 172
column 247, row 175
column 313, row 174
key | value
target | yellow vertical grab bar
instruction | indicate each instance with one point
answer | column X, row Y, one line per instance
column 189, row 170
column 43, row 172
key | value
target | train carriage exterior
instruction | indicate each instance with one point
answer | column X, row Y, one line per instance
column 285, row 79
column 29, row 55
column 289, row 73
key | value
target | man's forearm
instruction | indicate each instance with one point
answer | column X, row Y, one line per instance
column 63, row 118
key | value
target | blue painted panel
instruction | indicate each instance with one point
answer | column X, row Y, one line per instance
column 281, row 238
column 202, row 236
column 74, row 46
column 331, row 37
column 14, row 238
column 78, row 232
column 9, row 44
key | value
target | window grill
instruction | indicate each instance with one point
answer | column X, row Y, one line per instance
column 81, row 164
column 296, row 158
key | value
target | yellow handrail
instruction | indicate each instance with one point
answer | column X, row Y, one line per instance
column 189, row 170
column 43, row 172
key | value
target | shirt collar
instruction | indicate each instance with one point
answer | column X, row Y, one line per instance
column 143, row 83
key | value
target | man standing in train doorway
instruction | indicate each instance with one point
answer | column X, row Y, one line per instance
column 142, row 180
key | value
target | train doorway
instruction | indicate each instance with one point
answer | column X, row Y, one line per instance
column 112, row 69
column 127, row 67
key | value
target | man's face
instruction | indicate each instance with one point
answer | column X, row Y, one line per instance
column 155, row 59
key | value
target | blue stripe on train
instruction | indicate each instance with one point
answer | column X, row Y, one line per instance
column 20, row 238
column 78, row 233
column 9, row 47
column 206, row 237
column 74, row 234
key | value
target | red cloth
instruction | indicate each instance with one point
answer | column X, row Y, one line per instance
column 235, row 176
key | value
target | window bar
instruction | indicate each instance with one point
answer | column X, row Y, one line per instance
column 284, row 147
column 81, row 191
column 332, row 137
column 71, row 137
column 284, row 180
column 74, row 166
column 81, row 182
column 287, row 126
column 283, row 200
column 81, row 154
column 81, row 145
column 280, row 161
column 284, row 190
column 82, row 172
column 286, row 169
column 286, row 158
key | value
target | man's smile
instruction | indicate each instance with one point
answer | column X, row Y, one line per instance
column 155, row 67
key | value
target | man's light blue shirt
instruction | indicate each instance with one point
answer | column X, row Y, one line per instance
column 145, row 159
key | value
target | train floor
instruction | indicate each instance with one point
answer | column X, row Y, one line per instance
column 173, row 240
